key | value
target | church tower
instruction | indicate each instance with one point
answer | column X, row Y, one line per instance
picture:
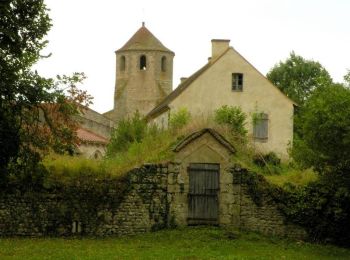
column 144, row 75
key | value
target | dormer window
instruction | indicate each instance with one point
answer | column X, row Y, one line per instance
column 237, row 81
column 143, row 62
column 163, row 64
column 122, row 63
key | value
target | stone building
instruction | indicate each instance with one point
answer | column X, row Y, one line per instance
column 93, row 132
column 144, row 72
column 229, row 79
column 144, row 75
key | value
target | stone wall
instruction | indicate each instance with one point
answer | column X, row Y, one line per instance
column 258, row 210
column 148, row 198
column 142, row 207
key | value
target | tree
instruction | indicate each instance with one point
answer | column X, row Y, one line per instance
column 298, row 77
column 325, row 128
column 347, row 78
column 35, row 112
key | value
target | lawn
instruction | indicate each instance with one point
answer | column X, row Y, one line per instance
column 188, row 243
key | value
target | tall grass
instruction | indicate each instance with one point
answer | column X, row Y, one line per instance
column 156, row 147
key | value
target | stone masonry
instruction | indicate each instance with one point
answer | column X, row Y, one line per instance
column 155, row 199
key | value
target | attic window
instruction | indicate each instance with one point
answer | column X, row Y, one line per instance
column 260, row 128
column 122, row 63
column 237, row 81
column 163, row 63
column 143, row 62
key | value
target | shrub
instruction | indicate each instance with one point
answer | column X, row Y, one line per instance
column 267, row 159
column 179, row 119
column 128, row 131
column 232, row 117
column 323, row 208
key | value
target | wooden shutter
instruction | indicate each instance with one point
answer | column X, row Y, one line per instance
column 261, row 127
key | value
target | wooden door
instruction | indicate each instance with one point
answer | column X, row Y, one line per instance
column 203, row 206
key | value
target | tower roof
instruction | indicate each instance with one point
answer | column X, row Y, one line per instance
column 143, row 39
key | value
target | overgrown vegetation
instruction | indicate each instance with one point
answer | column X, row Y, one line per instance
column 233, row 117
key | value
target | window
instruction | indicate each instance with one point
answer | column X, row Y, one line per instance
column 122, row 63
column 237, row 81
column 143, row 62
column 260, row 127
column 163, row 63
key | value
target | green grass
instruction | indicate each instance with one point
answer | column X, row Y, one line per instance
column 158, row 149
column 294, row 176
column 188, row 243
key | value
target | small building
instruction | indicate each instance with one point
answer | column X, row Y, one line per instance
column 94, row 132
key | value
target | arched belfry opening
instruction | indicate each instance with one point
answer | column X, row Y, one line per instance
column 143, row 62
column 122, row 63
column 163, row 64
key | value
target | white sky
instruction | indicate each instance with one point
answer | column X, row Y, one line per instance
column 86, row 33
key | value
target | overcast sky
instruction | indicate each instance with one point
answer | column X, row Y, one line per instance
column 86, row 33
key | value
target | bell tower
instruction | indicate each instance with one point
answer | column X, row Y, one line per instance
column 144, row 75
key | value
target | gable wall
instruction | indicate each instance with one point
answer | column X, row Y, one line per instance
column 213, row 89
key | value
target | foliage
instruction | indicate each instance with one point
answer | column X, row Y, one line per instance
column 292, row 176
column 232, row 117
column 298, row 77
column 35, row 112
column 325, row 130
column 265, row 159
column 128, row 131
column 323, row 208
column 347, row 78
column 186, row 243
column 179, row 119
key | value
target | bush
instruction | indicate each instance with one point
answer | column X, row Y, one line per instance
column 128, row 131
column 323, row 208
column 233, row 117
column 179, row 119
column 267, row 159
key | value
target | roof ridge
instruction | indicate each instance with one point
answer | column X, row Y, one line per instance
column 217, row 136
column 182, row 86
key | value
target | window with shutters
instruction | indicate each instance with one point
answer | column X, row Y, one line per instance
column 237, row 81
column 260, row 127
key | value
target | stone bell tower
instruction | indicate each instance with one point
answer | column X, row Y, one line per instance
column 144, row 75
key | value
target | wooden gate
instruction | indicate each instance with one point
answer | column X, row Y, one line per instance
column 203, row 203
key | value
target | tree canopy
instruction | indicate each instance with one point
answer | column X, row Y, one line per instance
column 298, row 77
column 35, row 112
column 325, row 128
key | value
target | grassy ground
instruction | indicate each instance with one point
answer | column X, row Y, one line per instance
column 189, row 243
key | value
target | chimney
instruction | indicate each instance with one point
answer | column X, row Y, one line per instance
column 218, row 46
column 182, row 79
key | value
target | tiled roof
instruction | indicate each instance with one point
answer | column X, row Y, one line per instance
column 90, row 137
column 143, row 39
